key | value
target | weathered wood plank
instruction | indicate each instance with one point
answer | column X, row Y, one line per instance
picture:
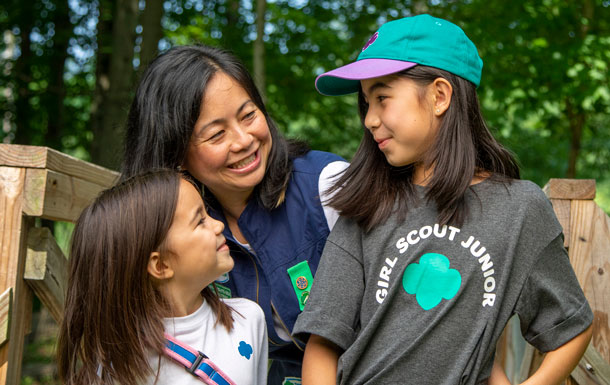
column 5, row 312
column 57, row 196
column 570, row 188
column 14, row 227
column 46, row 270
column 44, row 157
column 589, row 245
column 592, row 369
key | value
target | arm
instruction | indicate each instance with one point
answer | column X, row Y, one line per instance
column 556, row 365
column 498, row 377
column 320, row 361
column 559, row 363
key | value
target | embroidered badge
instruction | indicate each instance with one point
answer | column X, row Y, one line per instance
column 371, row 41
column 223, row 291
column 223, row 278
column 245, row 349
column 431, row 280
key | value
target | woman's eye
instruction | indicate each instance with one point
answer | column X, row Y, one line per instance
column 250, row 115
column 201, row 221
column 216, row 135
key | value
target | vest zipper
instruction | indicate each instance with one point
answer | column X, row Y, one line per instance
column 285, row 327
column 257, row 285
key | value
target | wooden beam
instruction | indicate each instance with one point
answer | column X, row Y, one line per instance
column 592, row 369
column 47, row 158
column 57, row 196
column 570, row 188
column 5, row 313
column 46, row 270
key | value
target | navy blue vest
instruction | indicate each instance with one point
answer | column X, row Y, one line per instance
column 296, row 231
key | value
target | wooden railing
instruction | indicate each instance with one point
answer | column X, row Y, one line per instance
column 38, row 182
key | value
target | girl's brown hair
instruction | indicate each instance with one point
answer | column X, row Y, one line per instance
column 114, row 312
column 371, row 189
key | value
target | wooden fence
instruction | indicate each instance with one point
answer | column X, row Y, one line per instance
column 38, row 182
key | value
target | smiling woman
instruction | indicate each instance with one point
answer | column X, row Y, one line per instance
column 197, row 109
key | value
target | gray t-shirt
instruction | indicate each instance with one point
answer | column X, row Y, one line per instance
column 418, row 303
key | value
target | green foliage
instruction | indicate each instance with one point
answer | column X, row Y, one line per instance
column 544, row 89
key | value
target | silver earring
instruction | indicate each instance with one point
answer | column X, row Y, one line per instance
column 438, row 111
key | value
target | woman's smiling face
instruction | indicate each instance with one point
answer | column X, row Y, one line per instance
column 229, row 149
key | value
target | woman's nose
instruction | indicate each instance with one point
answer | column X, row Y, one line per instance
column 241, row 140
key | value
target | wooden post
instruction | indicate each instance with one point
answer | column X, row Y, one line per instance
column 14, row 228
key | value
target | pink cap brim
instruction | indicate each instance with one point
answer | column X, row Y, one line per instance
column 344, row 80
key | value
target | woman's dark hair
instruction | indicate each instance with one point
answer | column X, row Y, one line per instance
column 370, row 188
column 114, row 312
column 167, row 105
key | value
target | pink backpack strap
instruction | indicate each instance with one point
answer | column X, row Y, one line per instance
column 195, row 362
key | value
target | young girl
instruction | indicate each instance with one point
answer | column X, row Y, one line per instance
column 439, row 243
column 142, row 257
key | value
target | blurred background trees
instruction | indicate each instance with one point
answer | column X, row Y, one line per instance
column 68, row 69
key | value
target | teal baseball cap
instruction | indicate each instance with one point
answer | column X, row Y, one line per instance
column 404, row 43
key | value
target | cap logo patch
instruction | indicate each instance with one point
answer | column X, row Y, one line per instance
column 371, row 41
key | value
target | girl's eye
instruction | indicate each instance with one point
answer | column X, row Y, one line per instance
column 381, row 98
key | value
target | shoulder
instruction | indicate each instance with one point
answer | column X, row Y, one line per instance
column 247, row 308
column 523, row 193
column 520, row 202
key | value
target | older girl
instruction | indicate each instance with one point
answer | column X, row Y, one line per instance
column 440, row 243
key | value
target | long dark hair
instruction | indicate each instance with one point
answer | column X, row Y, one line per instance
column 168, row 102
column 370, row 188
column 114, row 311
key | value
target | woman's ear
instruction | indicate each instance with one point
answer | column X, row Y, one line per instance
column 158, row 267
column 442, row 91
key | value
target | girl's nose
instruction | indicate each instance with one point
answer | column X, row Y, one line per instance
column 242, row 139
column 217, row 225
column 371, row 120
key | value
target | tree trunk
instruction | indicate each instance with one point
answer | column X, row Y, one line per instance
column 108, row 136
column 56, row 92
column 151, row 31
column 576, row 119
column 576, row 116
column 102, row 72
column 22, row 75
column 259, row 48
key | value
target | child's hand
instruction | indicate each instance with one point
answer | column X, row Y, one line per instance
column 498, row 377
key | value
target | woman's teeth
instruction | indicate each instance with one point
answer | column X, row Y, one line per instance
column 244, row 162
